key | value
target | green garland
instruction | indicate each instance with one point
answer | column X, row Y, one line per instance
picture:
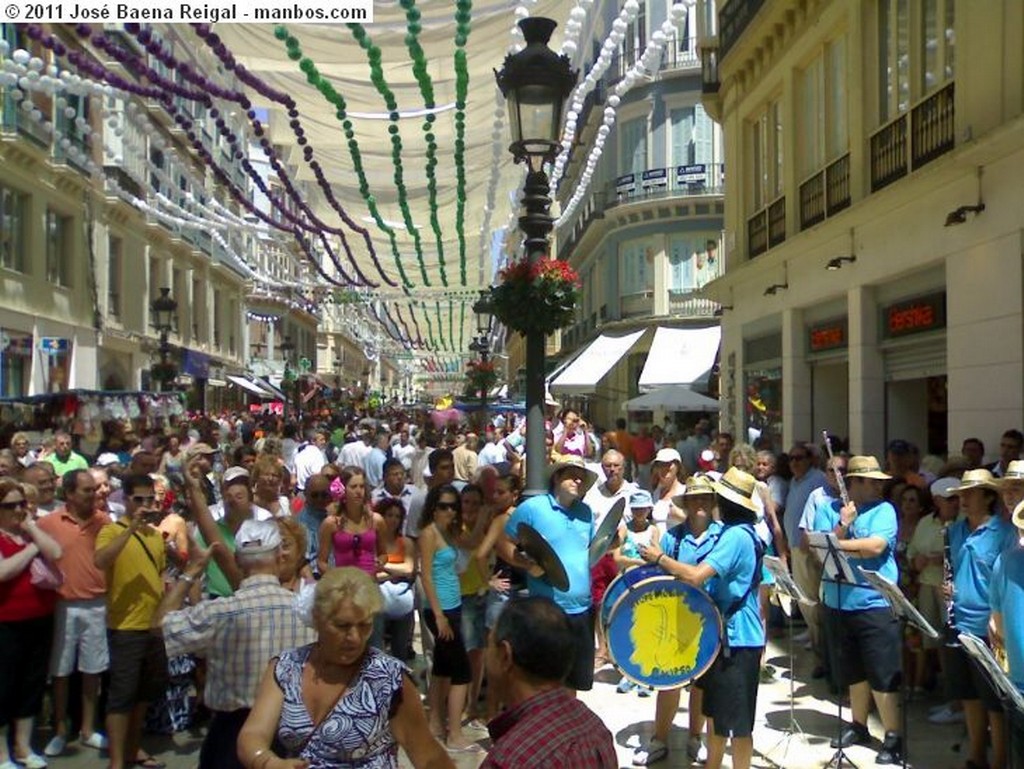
column 313, row 76
column 373, row 55
column 462, row 24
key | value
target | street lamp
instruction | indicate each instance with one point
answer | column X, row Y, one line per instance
column 163, row 309
column 535, row 82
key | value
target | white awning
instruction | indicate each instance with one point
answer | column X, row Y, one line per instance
column 252, row 387
column 582, row 376
column 683, row 356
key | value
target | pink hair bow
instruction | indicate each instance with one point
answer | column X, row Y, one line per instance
column 337, row 490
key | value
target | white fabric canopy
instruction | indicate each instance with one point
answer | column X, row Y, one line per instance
column 683, row 356
column 583, row 374
column 671, row 398
column 250, row 386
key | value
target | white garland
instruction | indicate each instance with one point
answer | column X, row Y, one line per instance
column 647, row 66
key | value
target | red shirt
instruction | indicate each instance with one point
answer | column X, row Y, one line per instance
column 601, row 575
column 643, row 449
column 551, row 730
column 19, row 598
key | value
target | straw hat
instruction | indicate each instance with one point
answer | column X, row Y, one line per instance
column 865, row 467
column 739, row 487
column 696, row 486
column 978, row 479
column 575, row 462
column 1014, row 472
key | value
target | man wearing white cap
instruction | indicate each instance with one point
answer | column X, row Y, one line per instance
column 236, row 635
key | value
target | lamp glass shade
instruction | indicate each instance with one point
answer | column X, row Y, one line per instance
column 535, row 113
column 163, row 309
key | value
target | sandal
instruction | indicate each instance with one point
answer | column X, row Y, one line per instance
column 150, row 762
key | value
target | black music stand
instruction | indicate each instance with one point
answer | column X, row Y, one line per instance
column 907, row 614
column 1013, row 700
column 787, row 587
column 837, row 570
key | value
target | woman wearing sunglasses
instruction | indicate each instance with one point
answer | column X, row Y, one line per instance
column 440, row 528
column 26, row 623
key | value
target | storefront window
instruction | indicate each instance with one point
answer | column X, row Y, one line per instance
column 763, row 407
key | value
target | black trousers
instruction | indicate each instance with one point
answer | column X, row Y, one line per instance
column 219, row 750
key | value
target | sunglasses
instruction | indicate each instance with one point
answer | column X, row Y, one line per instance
column 13, row 505
column 447, row 505
column 139, row 499
column 357, row 545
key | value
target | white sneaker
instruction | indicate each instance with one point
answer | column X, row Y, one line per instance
column 55, row 746
column 802, row 638
column 652, row 752
column 94, row 740
column 946, row 716
column 32, row 761
column 696, row 750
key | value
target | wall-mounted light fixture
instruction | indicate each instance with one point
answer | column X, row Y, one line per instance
column 838, row 262
column 775, row 288
column 959, row 215
column 722, row 309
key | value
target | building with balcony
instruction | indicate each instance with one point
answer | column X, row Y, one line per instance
column 646, row 238
column 872, row 245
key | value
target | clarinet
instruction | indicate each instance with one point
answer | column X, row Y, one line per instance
column 951, row 633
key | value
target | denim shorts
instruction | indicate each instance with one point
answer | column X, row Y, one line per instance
column 496, row 603
column 474, row 609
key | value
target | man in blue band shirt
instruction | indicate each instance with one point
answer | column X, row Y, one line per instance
column 975, row 542
column 567, row 524
column 1006, row 597
column 863, row 634
column 731, row 574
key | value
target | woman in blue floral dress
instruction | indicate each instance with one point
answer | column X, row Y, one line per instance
column 339, row 703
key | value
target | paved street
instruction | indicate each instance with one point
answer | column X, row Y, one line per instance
column 630, row 717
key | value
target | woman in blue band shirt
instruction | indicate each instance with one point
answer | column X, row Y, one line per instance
column 863, row 635
column 734, row 563
column 689, row 542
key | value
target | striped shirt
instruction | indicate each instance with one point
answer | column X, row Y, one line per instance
column 238, row 636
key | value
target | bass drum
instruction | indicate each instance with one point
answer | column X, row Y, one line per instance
column 663, row 633
column 621, row 583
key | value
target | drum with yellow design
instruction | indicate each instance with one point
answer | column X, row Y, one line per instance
column 663, row 633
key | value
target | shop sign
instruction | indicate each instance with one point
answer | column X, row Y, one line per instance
column 53, row 344
column 830, row 335
column 654, row 178
column 625, row 184
column 914, row 316
column 695, row 174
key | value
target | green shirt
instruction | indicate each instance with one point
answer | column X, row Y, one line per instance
column 216, row 581
column 74, row 462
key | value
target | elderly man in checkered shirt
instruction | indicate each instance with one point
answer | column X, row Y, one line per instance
column 237, row 635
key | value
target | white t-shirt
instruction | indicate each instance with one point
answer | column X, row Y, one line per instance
column 309, row 461
column 600, row 500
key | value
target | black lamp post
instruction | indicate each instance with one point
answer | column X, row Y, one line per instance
column 482, row 344
column 287, row 347
column 163, row 309
column 536, row 82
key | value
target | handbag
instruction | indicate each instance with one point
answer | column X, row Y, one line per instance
column 398, row 599
column 45, row 575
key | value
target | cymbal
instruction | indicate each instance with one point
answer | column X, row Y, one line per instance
column 535, row 546
column 606, row 532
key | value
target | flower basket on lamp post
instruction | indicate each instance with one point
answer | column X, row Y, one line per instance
column 536, row 297
column 481, row 377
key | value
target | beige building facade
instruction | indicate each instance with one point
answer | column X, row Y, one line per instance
column 873, row 246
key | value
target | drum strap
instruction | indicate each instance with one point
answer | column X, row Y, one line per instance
column 755, row 583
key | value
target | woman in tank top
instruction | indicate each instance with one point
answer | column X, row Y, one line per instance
column 396, row 578
column 352, row 531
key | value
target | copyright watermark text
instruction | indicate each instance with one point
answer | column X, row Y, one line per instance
column 251, row 11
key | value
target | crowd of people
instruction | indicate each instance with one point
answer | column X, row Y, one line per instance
column 280, row 570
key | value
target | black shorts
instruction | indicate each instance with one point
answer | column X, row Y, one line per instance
column 581, row 674
column 450, row 657
column 138, row 669
column 965, row 681
column 730, row 691
column 864, row 646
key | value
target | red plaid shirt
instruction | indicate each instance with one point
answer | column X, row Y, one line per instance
column 551, row 730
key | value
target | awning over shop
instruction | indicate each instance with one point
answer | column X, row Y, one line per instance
column 250, row 386
column 275, row 392
column 583, row 374
column 680, row 356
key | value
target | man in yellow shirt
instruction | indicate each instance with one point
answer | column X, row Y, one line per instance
column 132, row 554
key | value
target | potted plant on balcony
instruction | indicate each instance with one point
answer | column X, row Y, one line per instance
column 536, row 297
